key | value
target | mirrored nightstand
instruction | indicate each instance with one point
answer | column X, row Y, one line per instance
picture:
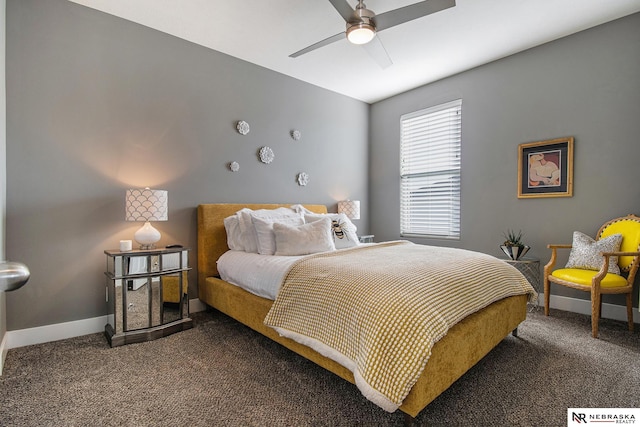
column 146, row 294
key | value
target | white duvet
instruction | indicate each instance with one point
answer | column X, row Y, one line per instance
column 259, row 274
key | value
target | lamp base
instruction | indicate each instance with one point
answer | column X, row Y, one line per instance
column 147, row 236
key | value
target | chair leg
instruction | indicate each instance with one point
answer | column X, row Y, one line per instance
column 600, row 307
column 596, row 300
column 547, row 288
column 630, row 312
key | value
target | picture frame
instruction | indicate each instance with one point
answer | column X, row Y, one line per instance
column 545, row 168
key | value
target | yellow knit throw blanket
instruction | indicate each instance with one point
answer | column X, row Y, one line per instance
column 378, row 310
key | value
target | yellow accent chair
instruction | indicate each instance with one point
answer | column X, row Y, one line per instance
column 603, row 280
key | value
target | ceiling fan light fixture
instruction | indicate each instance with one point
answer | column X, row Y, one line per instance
column 360, row 33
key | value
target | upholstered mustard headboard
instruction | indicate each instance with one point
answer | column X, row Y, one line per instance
column 212, row 237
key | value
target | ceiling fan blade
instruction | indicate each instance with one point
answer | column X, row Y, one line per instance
column 343, row 8
column 376, row 50
column 408, row 13
column 328, row 40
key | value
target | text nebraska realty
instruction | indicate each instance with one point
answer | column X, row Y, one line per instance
column 611, row 418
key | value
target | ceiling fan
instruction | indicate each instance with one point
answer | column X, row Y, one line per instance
column 363, row 24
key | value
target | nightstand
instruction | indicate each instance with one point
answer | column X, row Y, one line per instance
column 530, row 269
column 146, row 294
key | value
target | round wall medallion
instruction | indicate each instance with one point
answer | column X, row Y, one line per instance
column 266, row 155
column 234, row 166
column 243, row 127
column 303, row 178
column 296, row 135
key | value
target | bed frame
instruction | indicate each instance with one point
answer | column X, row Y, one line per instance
column 463, row 346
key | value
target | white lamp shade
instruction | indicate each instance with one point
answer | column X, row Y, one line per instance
column 146, row 205
column 351, row 208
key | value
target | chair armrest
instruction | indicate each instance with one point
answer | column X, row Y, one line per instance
column 552, row 261
column 620, row 253
column 605, row 265
column 559, row 246
column 603, row 270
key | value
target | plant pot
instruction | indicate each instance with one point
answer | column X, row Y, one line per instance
column 514, row 252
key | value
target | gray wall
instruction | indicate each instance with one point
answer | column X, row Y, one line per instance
column 96, row 105
column 585, row 85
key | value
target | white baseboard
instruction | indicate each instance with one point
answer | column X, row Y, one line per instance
column 55, row 332
column 195, row 306
column 609, row 311
column 60, row 331
column 3, row 351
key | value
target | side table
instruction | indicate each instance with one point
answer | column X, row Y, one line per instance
column 367, row 238
column 146, row 294
column 530, row 269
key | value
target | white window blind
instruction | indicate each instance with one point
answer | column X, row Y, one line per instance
column 430, row 171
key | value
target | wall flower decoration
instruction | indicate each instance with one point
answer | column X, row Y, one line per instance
column 266, row 155
column 243, row 127
column 303, row 179
column 296, row 135
column 234, row 166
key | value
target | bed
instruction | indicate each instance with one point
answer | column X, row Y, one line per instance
column 461, row 348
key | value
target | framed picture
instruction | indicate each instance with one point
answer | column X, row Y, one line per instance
column 545, row 168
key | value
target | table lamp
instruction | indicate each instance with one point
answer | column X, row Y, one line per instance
column 146, row 205
column 351, row 208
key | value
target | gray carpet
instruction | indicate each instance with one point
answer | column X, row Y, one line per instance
column 221, row 373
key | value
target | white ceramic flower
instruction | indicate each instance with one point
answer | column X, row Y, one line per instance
column 234, row 166
column 243, row 127
column 303, row 178
column 266, row 155
column 296, row 135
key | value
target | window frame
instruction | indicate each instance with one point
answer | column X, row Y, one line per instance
column 430, row 157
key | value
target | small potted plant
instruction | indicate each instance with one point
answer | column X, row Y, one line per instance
column 513, row 246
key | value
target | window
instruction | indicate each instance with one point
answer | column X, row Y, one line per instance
column 430, row 171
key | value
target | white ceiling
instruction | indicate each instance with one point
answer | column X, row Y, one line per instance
column 472, row 33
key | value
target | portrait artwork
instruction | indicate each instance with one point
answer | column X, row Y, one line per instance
column 545, row 168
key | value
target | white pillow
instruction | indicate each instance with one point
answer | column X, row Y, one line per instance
column 343, row 230
column 304, row 239
column 264, row 229
column 234, row 236
column 301, row 209
column 247, row 231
